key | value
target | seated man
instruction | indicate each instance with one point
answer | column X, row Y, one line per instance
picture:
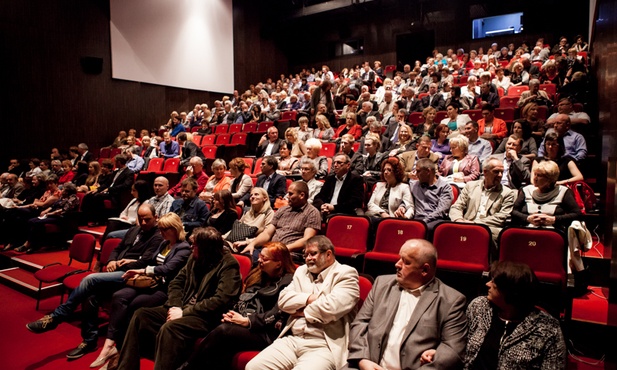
column 534, row 95
column 194, row 171
column 321, row 302
column 485, row 201
column 189, row 150
column 566, row 107
column 487, row 96
column 432, row 195
column 13, row 187
column 409, row 313
column 161, row 200
column 410, row 159
column 169, row 148
column 434, row 98
column 366, row 110
column 192, row 210
column 308, row 171
column 575, row 144
column 516, row 168
column 135, row 163
column 342, row 192
column 292, row 225
column 269, row 144
column 478, row 146
column 142, row 241
column 274, row 183
column 198, row 296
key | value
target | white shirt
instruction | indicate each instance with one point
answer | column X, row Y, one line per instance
column 337, row 189
column 391, row 359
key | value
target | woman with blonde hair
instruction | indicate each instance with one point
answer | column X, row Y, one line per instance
column 460, row 165
column 170, row 257
column 298, row 149
column 324, row 131
column 259, row 215
column 241, row 183
column 217, row 182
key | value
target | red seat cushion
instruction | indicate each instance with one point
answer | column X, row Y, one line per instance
column 53, row 273
column 242, row 358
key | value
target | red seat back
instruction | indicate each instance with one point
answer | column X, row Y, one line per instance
column 250, row 127
column 349, row 233
column 264, row 126
column 208, row 140
column 517, row 90
column 197, row 139
column 222, row 139
column 108, row 246
column 506, row 114
column 238, row 138
column 392, row 234
column 462, row 247
column 288, row 115
column 235, row 127
column 415, row 118
column 221, row 129
column 155, row 164
column 82, row 248
column 245, row 265
column 474, row 114
column 209, row 151
column 544, row 250
column 171, row 165
column 328, row 150
column 508, row 101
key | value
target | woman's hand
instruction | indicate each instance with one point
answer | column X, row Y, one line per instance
column 235, row 318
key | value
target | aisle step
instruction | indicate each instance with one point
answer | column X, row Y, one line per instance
column 25, row 282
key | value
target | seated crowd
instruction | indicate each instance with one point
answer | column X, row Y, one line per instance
column 385, row 165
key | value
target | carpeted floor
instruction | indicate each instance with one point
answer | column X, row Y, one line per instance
column 22, row 350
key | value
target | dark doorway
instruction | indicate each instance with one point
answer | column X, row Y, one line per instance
column 414, row 46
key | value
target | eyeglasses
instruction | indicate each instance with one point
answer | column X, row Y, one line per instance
column 312, row 254
column 264, row 258
column 339, row 162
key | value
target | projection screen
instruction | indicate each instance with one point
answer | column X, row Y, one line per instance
column 179, row 43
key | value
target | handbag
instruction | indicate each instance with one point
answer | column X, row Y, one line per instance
column 143, row 282
column 241, row 231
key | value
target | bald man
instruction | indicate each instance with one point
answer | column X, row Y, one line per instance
column 409, row 313
column 161, row 199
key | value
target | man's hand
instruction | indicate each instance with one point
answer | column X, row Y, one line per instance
column 326, row 208
column 427, row 356
column 174, row 313
column 366, row 364
column 400, row 212
column 249, row 249
column 235, row 318
column 112, row 266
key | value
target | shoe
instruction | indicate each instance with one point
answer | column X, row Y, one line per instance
column 81, row 350
column 30, row 250
column 46, row 323
column 103, row 359
column 7, row 247
column 21, row 248
column 113, row 363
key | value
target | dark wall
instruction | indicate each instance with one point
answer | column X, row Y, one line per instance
column 48, row 100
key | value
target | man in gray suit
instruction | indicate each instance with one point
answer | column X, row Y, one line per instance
column 407, row 314
column 485, row 201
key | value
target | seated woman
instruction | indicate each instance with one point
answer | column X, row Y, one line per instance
column 554, row 150
column 304, row 132
column 456, row 121
column 313, row 147
column 204, row 129
column 172, row 255
column 546, row 204
column 223, row 212
column 53, row 215
column 286, row 161
column 506, row 330
column 118, row 226
column 323, row 131
column 255, row 321
column 85, row 172
column 241, row 183
column 440, row 142
column 88, row 181
column 460, row 166
column 429, row 125
column 522, row 130
column 259, row 215
column 404, row 144
column 16, row 219
column 297, row 146
column 351, row 127
column 392, row 196
column 255, row 113
column 68, row 174
column 529, row 114
column 218, row 181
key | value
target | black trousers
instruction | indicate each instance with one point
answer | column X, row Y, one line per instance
column 218, row 348
column 170, row 342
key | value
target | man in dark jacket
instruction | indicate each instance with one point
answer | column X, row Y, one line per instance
column 343, row 190
column 197, row 298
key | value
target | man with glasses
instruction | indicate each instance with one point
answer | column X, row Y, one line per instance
column 390, row 137
column 410, row 159
column 575, row 144
column 342, row 192
column 321, row 302
column 432, row 195
column 308, row 172
column 140, row 244
column 566, row 107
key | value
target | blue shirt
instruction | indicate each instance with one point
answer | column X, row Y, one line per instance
column 169, row 151
column 576, row 147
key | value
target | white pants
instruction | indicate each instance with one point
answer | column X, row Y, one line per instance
column 292, row 352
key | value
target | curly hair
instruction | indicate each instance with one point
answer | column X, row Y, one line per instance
column 397, row 169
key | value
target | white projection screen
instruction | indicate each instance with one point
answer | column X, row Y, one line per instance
column 179, row 43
